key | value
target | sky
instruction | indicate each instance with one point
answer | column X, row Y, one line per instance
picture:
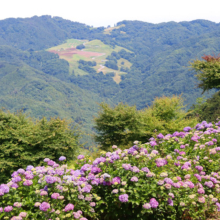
column 98, row 13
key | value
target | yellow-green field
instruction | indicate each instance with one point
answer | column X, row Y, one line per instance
column 94, row 50
column 69, row 43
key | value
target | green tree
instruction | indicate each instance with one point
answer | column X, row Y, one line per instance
column 123, row 124
column 208, row 72
column 119, row 125
column 80, row 47
column 25, row 141
column 207, row 110
column 169, row 114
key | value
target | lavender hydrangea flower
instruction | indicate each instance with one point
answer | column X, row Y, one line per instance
column 160, row 182
column 145, row 169
column 50, row 179
column 23, row 214
column 43, row 193
column 126, row 166
column 55, row 195
column 160, row 136
column 106, row 175
column 187, row 129
column 135, row 169
column 153, row 143
column 27, row 182
column 16, row 179
column 46, row 160
column 96, row 170
column 44, row 206
column 86, row 167
column 170, row 202
column 29, row 167
column 168, row 180
column 87, row 188
column 209, row 184
column 214, row 180
column 171, row 195
column 160, row 162
column 153, row 203
column 199, row 168
column 134, row 179
column 8, row 208
column 201, row 191
column 218, row 206
column 50, row 163
column 80, row 157
column 198, row 177
column 21, row 171
column 62, row 158
column 123, row 198
column 116, row 180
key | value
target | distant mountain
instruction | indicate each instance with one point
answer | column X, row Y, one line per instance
column 39, row 94
column 133, row 62
column 39, row 33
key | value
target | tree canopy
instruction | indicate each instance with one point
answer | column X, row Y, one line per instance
column 25, row 141
column 208, row 72
column 123, row 124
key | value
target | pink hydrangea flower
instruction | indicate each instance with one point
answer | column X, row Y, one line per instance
column 153, row 203
column 8, row 208
column 44, row 206
column 69, row 207
column 23, row 214
column 55, row 195
column 147, row 206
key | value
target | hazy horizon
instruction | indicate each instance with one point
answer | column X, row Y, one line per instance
column 95, row 13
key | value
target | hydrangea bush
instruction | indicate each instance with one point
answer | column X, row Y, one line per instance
column 173, row 176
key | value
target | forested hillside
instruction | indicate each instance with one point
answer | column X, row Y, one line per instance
column 140, row 61
column 25, row 85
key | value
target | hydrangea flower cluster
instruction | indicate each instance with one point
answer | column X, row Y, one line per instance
column 170, row 171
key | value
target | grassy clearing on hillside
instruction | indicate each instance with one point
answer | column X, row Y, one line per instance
column 68, row 44
column 94, row 50
column 109, row 30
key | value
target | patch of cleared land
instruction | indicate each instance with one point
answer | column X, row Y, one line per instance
column 109, row 30
column 94, row 50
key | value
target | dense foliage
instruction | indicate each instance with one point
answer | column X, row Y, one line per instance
column 208, row 72
column 122, row 124
column 87, row 66
column 43, row 84
column 24, row 141
column 170, row 177
column 37, row 33
column 25, row 86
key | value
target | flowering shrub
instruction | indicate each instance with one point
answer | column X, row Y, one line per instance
column 170, row 177
column 51, row 192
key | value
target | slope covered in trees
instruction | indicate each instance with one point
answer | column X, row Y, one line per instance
column 39, row 93
column 42, row 84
